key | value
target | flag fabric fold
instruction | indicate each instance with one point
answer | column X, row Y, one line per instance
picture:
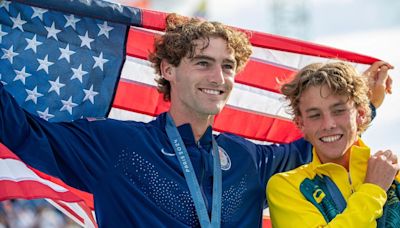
column 65, row 60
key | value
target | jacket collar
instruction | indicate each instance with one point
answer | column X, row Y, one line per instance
column 359, row 155
column 185, row 130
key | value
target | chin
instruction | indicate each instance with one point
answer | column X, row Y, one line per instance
column 213, row 110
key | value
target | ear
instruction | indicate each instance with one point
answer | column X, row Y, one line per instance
column 166, row 69
column 298, row 120
column 361, row 116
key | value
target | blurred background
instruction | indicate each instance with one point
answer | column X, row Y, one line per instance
column 365, row 26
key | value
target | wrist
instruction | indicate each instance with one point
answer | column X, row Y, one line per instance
column 373, row 110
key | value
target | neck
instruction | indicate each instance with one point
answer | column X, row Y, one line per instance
column 199, row 123
column 344, row 160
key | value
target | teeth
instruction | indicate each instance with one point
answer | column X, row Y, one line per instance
column 211, row 91
column 330, row 139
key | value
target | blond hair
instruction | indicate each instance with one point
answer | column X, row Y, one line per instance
column 340, row 77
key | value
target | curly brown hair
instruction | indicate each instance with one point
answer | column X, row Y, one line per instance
column 178, row 42
column 342, row 78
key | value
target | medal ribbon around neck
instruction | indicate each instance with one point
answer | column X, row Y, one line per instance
column 191, row 179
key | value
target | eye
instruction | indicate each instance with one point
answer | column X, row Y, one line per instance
column 203, row 63
column 314, row 116
column 228, row 67
column 339, row 111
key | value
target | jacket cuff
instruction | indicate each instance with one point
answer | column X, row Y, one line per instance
column 373, row 111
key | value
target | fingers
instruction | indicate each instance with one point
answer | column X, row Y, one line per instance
column 379, row 82
column 377, row 65
column 382, row 169
column 382, row 75
column 390, row 156
column 386, row 155
column 389, row 83
column 377, row 154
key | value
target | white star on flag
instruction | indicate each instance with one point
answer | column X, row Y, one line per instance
column 1, row 33
column 18, row 22
column 86, row 40
column 32, row 43
column 56, row 52
column 9, row 54
column 99, row 61
column 68, row 105
column 104, row 29
column 89, row 94
column 45, row 114
column 78, row 73
column 44, row 64
column 71, row 21
column 21, row 75
column 56, row 86
column 5, row 4
column 66, row 53
column 38, row 12
column 33, row 95
column 52, row 31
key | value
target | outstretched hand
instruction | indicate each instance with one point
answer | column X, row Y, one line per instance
column 380, row 82
column 382, row 169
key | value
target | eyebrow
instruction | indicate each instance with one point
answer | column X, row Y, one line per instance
column 311, row 110
column 202, row 57
column 338, row 104
column 341, row 103
column 206, row 57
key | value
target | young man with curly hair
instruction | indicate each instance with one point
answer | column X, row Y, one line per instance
column 343, row 186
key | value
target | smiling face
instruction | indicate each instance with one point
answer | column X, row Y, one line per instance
column 202, row 84
column 329, row 122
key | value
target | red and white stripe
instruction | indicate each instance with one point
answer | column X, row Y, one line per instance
column 18, row 180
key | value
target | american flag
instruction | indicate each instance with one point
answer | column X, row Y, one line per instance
column 64, row 60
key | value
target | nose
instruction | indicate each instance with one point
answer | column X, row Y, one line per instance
column 217, row 76
column 328, row 122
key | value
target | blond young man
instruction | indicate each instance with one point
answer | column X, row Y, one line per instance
column 343, row 186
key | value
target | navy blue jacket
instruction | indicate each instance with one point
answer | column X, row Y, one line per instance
column 131, row 169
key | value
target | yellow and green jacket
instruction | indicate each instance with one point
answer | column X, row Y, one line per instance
column 289, row 207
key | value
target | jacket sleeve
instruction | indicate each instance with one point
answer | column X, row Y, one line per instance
column 288, row 207
column 281, row 158
column 64, row 150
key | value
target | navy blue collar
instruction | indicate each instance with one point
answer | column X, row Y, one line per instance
column 185, row 130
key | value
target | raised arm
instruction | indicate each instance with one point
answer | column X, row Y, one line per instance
column 63, row 150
